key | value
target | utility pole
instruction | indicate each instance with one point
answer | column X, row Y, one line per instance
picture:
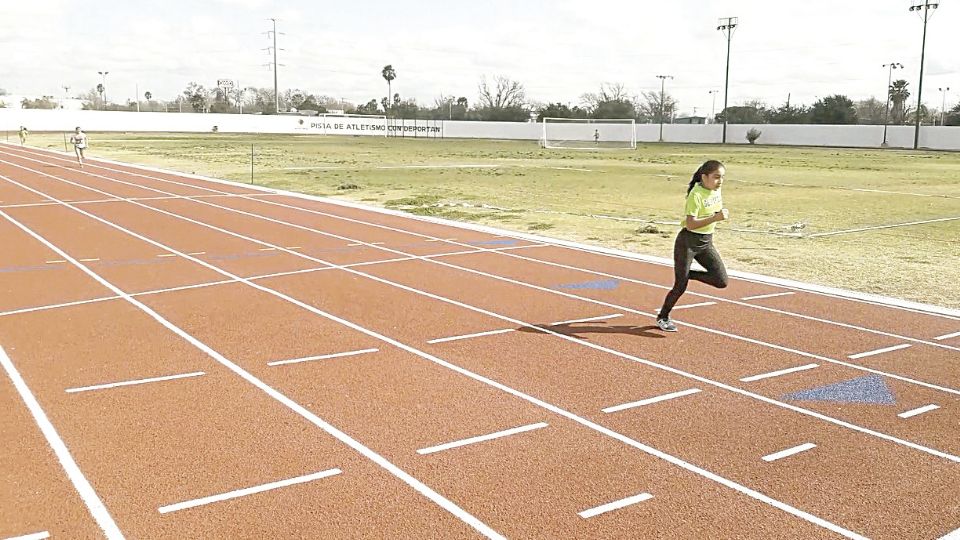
column 276, row 90
column 66, row 96
column 663, row 82
column 886, row 111
column 926, row 6
column 943, row 104
column 727, row 25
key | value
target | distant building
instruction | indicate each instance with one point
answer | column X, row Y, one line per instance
column 691, row 120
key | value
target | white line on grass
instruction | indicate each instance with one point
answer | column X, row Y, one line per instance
column 650, row 401
column 321, row 357
column 248, row 491
column 879, row 351
column 134, row 382
column 919, row 410
column 615, row 505
column 481, row 438
column 789, row 452
column 83, row 487
column 778, row 373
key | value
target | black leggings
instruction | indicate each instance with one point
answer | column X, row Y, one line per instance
column 690, row 246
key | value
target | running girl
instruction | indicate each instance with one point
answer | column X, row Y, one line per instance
column 79, row 140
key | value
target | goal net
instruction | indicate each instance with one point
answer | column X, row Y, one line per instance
column 588, row 133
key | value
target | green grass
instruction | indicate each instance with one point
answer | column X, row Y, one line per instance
column 627, row 199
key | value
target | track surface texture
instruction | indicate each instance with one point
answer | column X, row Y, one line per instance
column 188, row 358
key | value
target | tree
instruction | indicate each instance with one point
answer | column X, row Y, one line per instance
column 369, row 107
column 788, row 114
column 836, row 109
column 751, row 112
column 559, row 110
column 898, row 97
column 388, row 74
column 870, row 111
column 611, row 102
column 953, row 116
column 650, row 109
column 45, row 102
column 196, row 96
column 100, row 90
column 505, row 101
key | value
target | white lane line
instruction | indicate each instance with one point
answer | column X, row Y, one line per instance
column 322, row 357
column 88, row 260
column 615, row 505
column 467, row 336
column 57, row 261
column 761, row 296
column 377, row 243
column 948, row 336
column 481, row 438
column 198, row 253
column 879, row 351
column 789, row 452
column 268, row 249
column 34, row 536
column 701, row 304
column 248, row 491
column 441, row 240
column 134, row 382
column 354, row 245
column 293, row 248
column 589, row 319
column 778, row 373
column 919, row 410
column 166, row 255
column 89, row 496
column 650, row 401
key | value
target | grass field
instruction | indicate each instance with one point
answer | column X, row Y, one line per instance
column 793, row 210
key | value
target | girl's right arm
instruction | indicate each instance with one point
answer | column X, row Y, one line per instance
column 694, row 223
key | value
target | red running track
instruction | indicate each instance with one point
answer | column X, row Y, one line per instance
column 184, row 357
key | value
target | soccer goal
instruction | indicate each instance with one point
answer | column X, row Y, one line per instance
column 588, row 133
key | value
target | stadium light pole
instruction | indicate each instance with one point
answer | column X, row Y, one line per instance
column 66, row 96
column 926, row 6
column 663, row 82
column 103, row 81
column 943, row 104
column 727, row 25
column 886, row 111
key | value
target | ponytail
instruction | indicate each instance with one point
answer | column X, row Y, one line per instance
column 708, row 167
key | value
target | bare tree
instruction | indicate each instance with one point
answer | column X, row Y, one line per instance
column 506, row 94
column 648, row 110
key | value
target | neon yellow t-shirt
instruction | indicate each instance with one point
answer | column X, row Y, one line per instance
column 702, row 203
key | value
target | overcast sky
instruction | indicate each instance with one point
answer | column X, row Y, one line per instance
column 558, row 49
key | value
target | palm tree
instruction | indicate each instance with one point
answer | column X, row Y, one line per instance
column 100, row 90
column 899, row 95
column 389, row 74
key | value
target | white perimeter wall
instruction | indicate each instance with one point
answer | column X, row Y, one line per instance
column 935, row 137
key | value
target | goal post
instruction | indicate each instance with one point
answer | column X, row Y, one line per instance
column 589, row 133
